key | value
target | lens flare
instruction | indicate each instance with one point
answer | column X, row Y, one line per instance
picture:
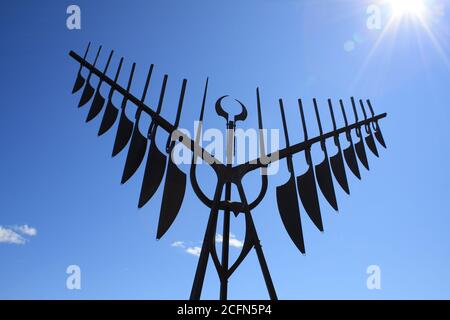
column 401, row 8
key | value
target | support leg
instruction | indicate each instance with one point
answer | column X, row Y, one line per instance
column 206, row 246
column 225, row 246
column 264, row 267
column 258, row 248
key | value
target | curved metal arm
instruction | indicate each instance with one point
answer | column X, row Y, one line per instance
column 198, row 191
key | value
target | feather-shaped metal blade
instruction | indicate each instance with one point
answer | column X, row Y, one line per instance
column 136, row 154
column 350, row 158
column 361, row 153
column 289, row 210
column 153, row 175
column 79, row 83
column 325, row 180
column 123, row 135
column 338, row 168
column 371, row 144
column 173, row 195
column 379, row 137
column 96, row 107
column 87, row 94
column 306, row 184
column 109, row 117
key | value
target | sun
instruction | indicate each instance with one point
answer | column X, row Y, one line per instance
column 411, row 8
column 419, row 18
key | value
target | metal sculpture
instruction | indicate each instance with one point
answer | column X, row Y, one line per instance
column 128, row 132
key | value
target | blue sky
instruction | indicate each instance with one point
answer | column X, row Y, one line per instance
column 59, row 179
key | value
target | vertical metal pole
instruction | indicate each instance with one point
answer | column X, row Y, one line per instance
column 226, row 216
column 225, row 246
column 197, row 286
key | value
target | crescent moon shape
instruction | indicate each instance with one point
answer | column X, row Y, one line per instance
column 243, row 115
column 219, row 110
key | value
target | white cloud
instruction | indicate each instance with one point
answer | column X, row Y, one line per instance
column 10, row 236
column 26, row 230
column 178, row 244
column 194, row 251
column 234, row 242
column 14, row 234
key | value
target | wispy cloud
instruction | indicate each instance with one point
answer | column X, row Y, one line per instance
column 234, row 242
column 178, row 244
column 10, row 236
column 15, row 234
column 26, row 230
column 195, row 251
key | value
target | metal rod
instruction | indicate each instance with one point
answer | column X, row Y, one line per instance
column 316, row 109
column 286, row 135
column 170, row 143
column 147, row 82
column 225, row 245
column 116, row 77
column 95, row 62
column 130, row 80
column 258, row 247
column 106, row 68
column 197, row 286
column 84, row 57
column 262, row 148
column 226, row 215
